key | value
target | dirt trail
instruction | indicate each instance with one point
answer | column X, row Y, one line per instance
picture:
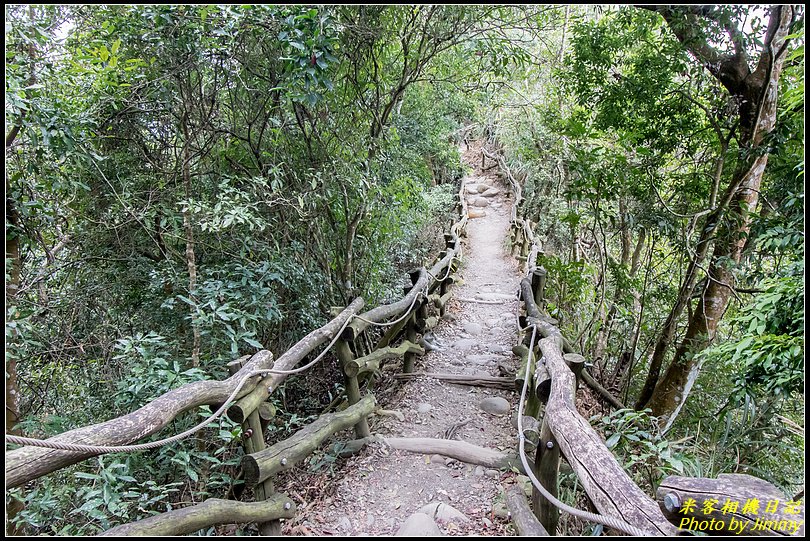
column 382, row 487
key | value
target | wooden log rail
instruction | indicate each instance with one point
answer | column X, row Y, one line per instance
column 386, row 312
column 254, row 412
column 609, row 487
column 564, row 430
column 253, row 430
column 209, row 513
column 371, row 362
column 287, row 453
column 409, row 315
column 731, row 504
column 28, row 463
column 526, row 523
column 683, row 501
column 524, row 245
column 239, row 411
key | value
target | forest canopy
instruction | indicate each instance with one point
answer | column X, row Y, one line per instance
column 186, row 184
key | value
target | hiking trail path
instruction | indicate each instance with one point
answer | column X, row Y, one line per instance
column 382, row 487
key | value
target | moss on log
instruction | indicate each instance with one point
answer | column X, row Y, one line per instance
column 531, row 433
column 392, row 334
column 206, row 514
column 442, row 301
column 372, row 362
column 285, row 454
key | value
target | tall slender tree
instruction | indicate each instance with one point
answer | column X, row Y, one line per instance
column 754, row 88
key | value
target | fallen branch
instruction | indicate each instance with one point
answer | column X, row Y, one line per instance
column 459, row 450
column 461, row 379
column 604, row 393
column 208, row 513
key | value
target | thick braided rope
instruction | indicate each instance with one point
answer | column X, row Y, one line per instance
column 592, row 517
column 103, row 449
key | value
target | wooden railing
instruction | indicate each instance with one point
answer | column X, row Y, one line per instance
column 552, row 427
column 361, row 352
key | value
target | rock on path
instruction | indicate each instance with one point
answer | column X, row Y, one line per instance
column 419, row 525
column 495, row 405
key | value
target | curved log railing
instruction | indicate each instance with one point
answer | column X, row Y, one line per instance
column 563, row 431
column 28, row 463
column 348, row 331
column 556, row 370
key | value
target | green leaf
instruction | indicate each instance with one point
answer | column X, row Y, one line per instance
column 253, row 342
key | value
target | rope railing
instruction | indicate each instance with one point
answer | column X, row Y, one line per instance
column 585, row 515
column 526, row 247
column 38, row 457
column 103, row 449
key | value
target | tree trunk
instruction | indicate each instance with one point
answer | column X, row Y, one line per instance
column 757, row 92
column 667, row 333
column 15, row 267
column 13, row 506
column 191, row 260
column 13, row 256
column 672, row 389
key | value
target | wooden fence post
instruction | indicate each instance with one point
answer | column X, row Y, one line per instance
column 253, row 431
column 518, row 240
column 547, row 458
column 345, row 356
column 450, row 244
column 411, row 329
column 576, row 363
column 410, row 335
column 546, row 468
column 539, row 285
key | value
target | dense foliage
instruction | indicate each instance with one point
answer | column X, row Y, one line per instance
column 186, row 184
column 623, row 162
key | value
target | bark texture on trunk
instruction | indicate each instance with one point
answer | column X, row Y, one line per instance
column 756, row 93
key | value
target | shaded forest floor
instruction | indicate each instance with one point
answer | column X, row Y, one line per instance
column 374, row 492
